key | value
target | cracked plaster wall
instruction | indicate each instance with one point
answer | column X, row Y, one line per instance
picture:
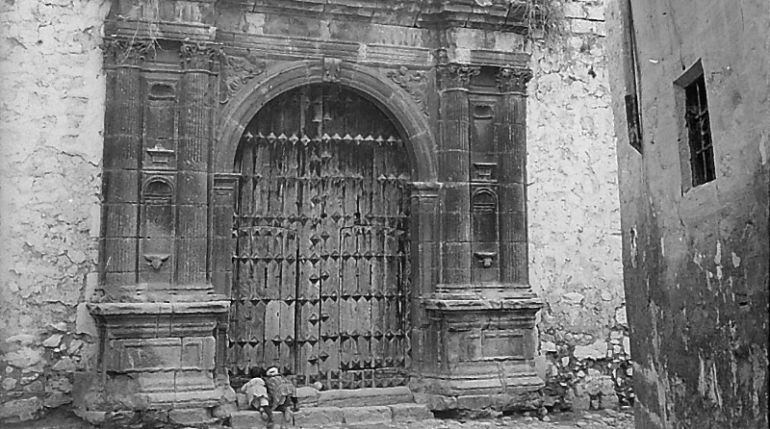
column 574, row 217
column 697, row 260
column 52, row 114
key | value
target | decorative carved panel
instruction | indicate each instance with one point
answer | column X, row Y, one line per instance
column 414, row 83
column 158, row 231
column 237, row 72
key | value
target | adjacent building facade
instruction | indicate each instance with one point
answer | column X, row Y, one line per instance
column 691, row 103
column 338, row 190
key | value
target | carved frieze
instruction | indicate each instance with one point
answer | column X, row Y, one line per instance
column 238, row 71
column 415, row 83
column 513, row 79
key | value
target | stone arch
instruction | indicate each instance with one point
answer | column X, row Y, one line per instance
column 394, row 101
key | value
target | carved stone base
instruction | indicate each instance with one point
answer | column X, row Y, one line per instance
column 486, row 348
column 157, row 355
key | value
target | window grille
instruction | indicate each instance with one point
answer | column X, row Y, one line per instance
column 699, row 132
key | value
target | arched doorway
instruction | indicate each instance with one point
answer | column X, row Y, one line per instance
column 322, row 263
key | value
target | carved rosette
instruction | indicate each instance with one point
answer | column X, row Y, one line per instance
column 127, row 52
column 415, row 83
column 513, row 79
column 202, row 56
column 238, row 71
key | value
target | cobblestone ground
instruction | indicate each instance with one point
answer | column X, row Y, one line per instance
column 606, row 419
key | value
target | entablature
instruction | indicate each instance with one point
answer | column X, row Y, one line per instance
column 501, row 15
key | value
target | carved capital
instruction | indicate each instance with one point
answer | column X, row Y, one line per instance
column 452, row 75
column 455, row 75
column 199, row 55
column 238, row 71
column 513, row 79
column 127, row 52
column 414, row 83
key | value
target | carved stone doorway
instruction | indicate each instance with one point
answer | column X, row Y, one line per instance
column 322, row 261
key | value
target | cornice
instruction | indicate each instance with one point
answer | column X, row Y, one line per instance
column 499, row 15
column 130, row 19
column 292, row 48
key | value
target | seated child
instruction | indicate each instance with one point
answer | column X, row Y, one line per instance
column 281, row 391
column 257, row 396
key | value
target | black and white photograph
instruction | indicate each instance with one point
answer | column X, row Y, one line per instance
column 384, row 214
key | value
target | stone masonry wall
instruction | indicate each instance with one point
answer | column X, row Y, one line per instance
column 574, row 217
column 52, row 115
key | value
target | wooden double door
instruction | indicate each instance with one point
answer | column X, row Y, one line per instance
column 322, row 264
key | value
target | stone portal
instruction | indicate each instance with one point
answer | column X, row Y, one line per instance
column 347, row 183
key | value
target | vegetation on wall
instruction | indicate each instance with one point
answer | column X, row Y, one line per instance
column 544, row 18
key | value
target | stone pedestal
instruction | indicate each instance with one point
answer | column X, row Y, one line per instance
column 157, row 355
column 486, row 349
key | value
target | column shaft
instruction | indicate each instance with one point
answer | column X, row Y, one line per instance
column 122, row 143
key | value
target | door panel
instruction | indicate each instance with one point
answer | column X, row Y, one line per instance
column 322, row 263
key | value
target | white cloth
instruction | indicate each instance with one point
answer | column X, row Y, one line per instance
column 255, row 390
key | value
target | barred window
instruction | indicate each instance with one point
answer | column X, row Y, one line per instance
column 699, row 132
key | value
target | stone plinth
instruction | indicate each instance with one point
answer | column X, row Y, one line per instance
column 157, row 355
column 486, row 349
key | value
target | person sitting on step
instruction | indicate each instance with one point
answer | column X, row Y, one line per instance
column 281, row 391
column 257, row 396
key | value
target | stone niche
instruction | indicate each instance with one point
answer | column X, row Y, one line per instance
column 185, row 78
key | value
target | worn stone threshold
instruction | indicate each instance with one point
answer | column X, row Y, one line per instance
column 356, row 397
column 345, row 416
column 365, row 407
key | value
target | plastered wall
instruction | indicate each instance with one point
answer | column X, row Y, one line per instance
column 696, row 258
column 574, row 217
column 52, row 112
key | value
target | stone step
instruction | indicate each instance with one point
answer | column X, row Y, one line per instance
column 310, row 397
column 352, row 417
column 365, row 397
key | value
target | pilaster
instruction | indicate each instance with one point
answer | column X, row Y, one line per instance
column 481, row 314
column 453, row 80
column 424, row 240
column 162, row 323
column 512, row 144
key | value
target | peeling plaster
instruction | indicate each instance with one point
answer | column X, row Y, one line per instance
column 696, row 281
column 51, row 142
